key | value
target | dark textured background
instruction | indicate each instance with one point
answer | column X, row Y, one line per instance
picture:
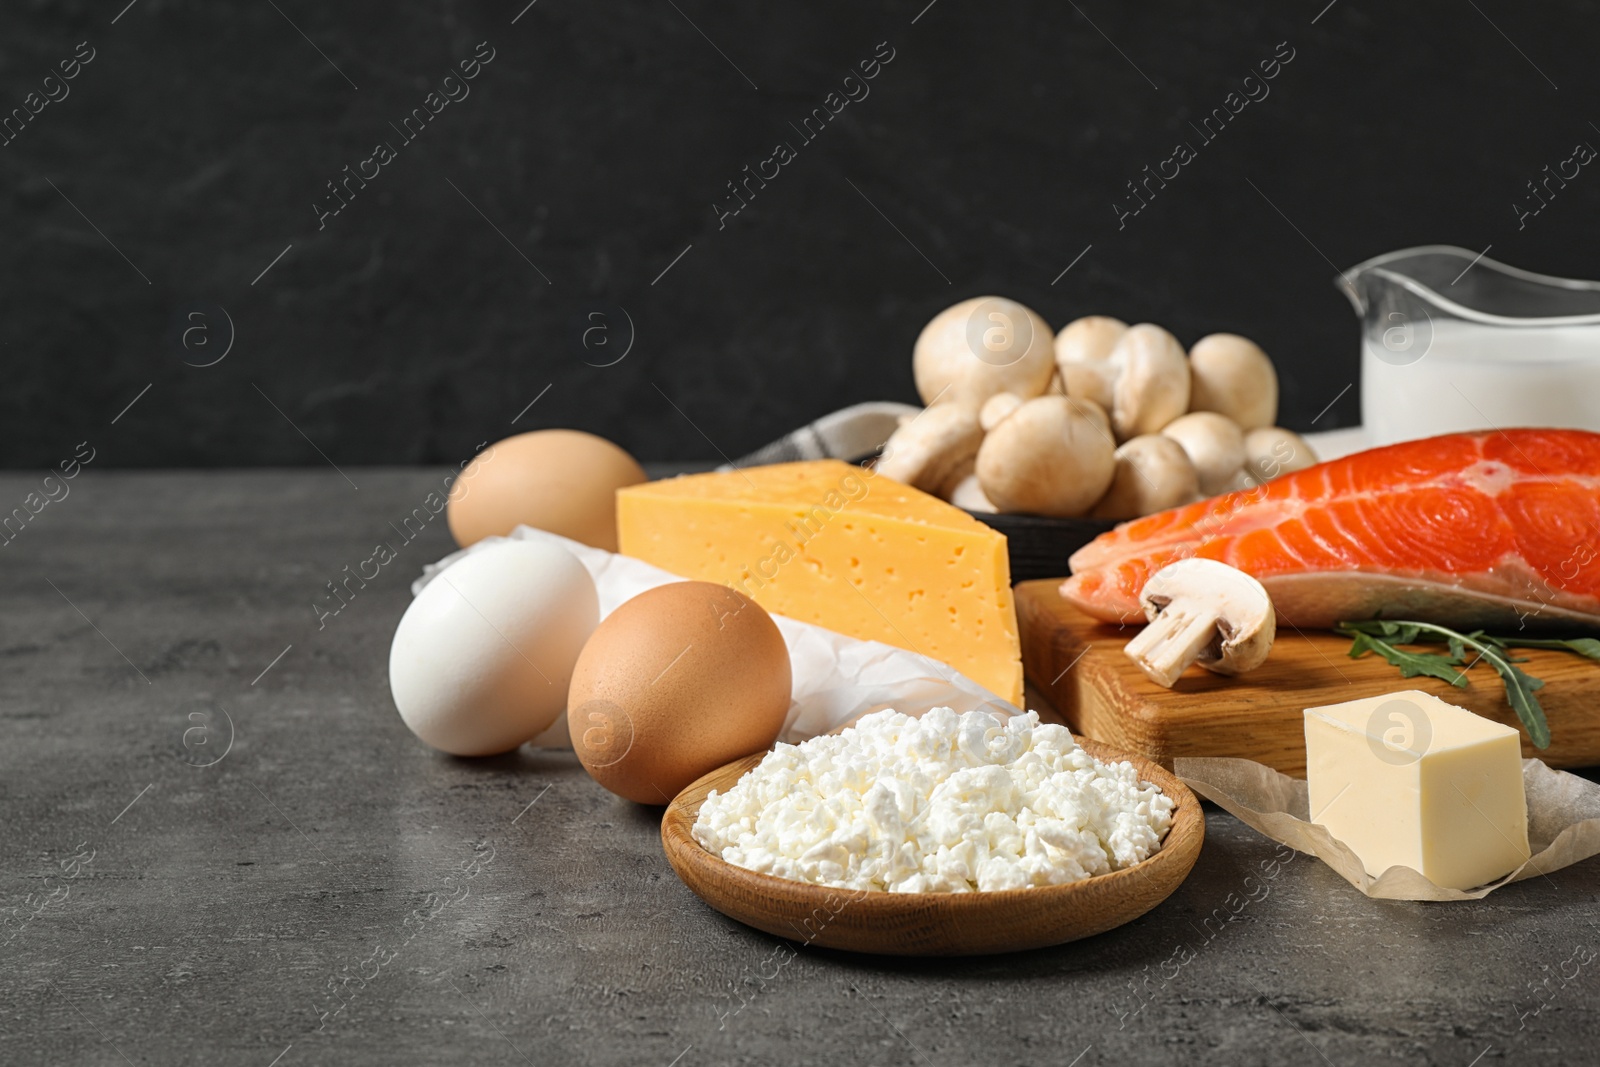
column 597, row 140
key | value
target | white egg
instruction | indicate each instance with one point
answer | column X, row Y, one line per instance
column 482, row 658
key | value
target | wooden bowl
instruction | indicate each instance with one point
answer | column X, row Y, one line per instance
column 934, row 924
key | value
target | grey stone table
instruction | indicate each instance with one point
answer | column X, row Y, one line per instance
column 219, row 845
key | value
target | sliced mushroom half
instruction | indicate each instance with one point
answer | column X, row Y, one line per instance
column 1206, row 612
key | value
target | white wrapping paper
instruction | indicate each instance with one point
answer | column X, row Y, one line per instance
column 1563, row 823
column 836, row 678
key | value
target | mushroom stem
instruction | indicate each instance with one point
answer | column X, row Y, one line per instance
column 1174, row 639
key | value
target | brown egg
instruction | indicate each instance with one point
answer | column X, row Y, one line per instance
column 675, row 683
column 564, row 481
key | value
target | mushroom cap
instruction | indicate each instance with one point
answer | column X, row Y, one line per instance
column 1246, row 621
column 1231, row 375
column 1272, row 451
column 996, row 408
column 1152, row 386
column 1269, row 453
column 966, row 470
column 1049, row 457
column 930, row 445
column 1215, row 445
column 968, row 494
column 1095, row 414
column 980, row 347
column 1153, row 473
column 1083, row 354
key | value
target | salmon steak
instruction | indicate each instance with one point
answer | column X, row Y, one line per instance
column 1499, row 529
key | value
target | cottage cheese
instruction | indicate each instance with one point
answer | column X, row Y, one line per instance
column 945, row 803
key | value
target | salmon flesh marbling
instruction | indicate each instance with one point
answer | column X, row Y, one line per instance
column 1493, row 529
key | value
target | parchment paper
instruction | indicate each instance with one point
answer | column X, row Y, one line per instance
column 1563, row 823
column 836, row 678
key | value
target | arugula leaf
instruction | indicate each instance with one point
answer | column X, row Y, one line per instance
column 1519, row 691
column 1506, row 643
column 1587, row 647
column 1381, row 635
column 1395, row 633
column 1411, row 664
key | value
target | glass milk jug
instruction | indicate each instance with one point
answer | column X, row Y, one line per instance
column 1453, row 340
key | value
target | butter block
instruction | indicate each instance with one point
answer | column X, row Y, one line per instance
column 1407, row 779
column 833, row 544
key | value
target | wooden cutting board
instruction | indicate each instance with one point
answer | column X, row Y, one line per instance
column 1078, row 664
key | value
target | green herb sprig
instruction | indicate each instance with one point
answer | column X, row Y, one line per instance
column 1382, row 636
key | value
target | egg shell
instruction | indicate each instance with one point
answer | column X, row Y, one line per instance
column 675, row 683
column 564, row 481
column 483, row 657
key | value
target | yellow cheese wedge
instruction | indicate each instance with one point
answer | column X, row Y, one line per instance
column 837, row 545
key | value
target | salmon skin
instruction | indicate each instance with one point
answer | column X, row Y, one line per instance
column 1496, row 530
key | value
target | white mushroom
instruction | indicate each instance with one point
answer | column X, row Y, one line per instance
column 931, row 445
column 1153, row 473
column 1202, row 611
column 1095, row 414
column 1137, row 373
column 1083, row 352
column 1273, row 451
column 1049, row 457
column 1269, row 453
column 996, row 408
column 967, row 493
column 1215, row 446
column 981, row 347
column 1152, row 384
column 1232, row 376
